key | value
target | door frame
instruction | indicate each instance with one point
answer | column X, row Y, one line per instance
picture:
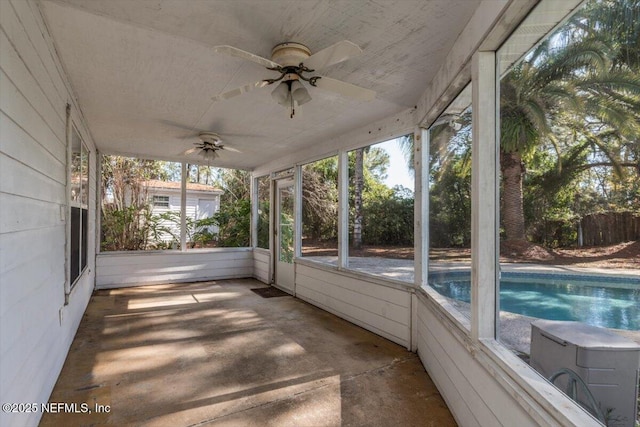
column 280, row 268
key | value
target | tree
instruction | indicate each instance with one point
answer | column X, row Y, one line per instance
column 450, row 182
column 264, row 191
column 234, row 217
column 388, row 218
column 127, row 222
column 358, row 182
column 530, row 94
column 617, row 20
column 201, row 174
column 568, row 81
column 367, row 169
column 320, row 199
column 407, row 147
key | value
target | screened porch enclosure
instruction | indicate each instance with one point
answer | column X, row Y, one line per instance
column 414, row 192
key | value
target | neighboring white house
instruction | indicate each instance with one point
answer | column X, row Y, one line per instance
column 203, row 201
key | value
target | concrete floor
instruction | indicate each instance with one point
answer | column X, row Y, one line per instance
column 215, row 353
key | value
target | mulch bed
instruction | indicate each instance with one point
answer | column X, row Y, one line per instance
column 621, row 255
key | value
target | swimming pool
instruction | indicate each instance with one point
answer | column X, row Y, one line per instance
column 609, row 302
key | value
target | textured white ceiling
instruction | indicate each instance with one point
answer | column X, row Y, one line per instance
column 145, row 71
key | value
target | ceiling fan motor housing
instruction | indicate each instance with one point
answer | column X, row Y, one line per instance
column 290, row 54
column 210, row 138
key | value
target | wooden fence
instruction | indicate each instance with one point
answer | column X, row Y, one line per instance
column 610, row 228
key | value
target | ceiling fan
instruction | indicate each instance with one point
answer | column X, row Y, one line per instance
column 295, row 63
column 209, row 145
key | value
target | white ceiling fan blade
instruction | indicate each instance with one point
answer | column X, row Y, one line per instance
column 239, row 90
column 333, row 54
column 235, row 150
column 239, row 53
column 191, row 151
column 346, row 89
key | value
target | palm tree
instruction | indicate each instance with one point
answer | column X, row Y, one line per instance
column 358, row 186
column 618, row 20
column 552, row 83
column 366, row 166
column 405, row 143
column 450, row 180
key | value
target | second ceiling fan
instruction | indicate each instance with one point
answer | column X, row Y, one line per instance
column 209, row 145
column 296, row 65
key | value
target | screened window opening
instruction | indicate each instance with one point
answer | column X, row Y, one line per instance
column 320, row 210
column 381, row 200
column 264, row 200
column 140, row 204
column 79, row 206
column 142, row 208
column 569, row 199
column 569, row 182
column 450, row 139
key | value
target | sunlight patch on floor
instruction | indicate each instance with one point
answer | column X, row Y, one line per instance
column 142, row 303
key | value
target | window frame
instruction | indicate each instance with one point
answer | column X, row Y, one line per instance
column 481, row 334
column 78, row 230
column 344, row 207
column 255, row 211
column 161, row 201
column 422, row 280
column 302, row 167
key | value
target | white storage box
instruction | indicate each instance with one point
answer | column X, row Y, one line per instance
column 607, row 362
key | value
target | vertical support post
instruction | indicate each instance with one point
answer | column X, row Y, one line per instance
column 183, row 208
column 253, row 232
column 297, row 210
column 67, row 209
column 421, row 207
column 420, row 224
column 97, row 207
column 272, row 228
column 343, row 209
column 484, row 198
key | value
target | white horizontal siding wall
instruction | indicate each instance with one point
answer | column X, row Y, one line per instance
column 192, row 211
column 191, row 205
column 384, row 309
column 121, row 269
column 36, row 327
column 463, row 383
column 262, row 265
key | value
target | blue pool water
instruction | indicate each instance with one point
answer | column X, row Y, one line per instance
column 609, row 302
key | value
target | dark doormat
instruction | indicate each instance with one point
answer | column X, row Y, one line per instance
column 270, row 292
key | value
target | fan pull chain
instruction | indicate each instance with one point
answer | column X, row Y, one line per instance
column 293, row 110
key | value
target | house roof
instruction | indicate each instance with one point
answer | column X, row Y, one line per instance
column 171, row 185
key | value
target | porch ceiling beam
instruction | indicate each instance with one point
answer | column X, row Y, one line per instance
column 489, row 26
column 379, row 131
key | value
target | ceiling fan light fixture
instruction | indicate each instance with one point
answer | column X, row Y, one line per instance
column 281, row 93
column 299, row 93
column 287, row 101
column 209, row 154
